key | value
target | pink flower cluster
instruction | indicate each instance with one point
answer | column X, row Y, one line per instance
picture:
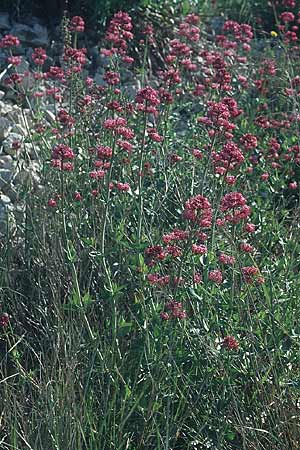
column 9, row 41
column 242, row 32
column 148, row 99
column 39, row 56
column 4, row 320
column 118, row 127
column 77, row 24
column 118, row 33
column 198, row 210
column 235, row 203
column 228, row 159
column 62, row 152
column 230, row 343
column 174, row 310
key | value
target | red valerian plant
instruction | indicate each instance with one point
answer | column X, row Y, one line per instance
column 160, row 192
column 4, row 320
column 230, row 343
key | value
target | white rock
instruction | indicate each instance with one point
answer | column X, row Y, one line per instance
column 28, row 173
column 6, row 162
column 32, row 150
column 5, row 200
column 10, row 191
column 8, row 144
column 5, row 107
column 5, row 128
column 6, row 216
column 18, row 129
column 5, row 177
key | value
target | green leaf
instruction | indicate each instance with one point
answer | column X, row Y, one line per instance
column 124, row 328
column 87, row 299
column 230, row 436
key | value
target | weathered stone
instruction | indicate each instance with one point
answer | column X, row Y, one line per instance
column 6, row 217
column 5, row 177
column 6, row 162
column 132, row 89
column 4, row 21
column 4, row 199
column 127, row 76
column 19, row 212
column 24, row 66
column 28, row 174
column 36, row 35
column 41, row 39
column 18, row 129
column 8, row 144
column 10, row 191
column 49, row 115
column 98, row 78
column 5, row 128
column 32, row 150
column 19, row 117
column 5, row 107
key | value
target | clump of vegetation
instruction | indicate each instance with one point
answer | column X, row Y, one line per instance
column 149, row 293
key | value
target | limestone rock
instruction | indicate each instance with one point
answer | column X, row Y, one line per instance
column 5, row 177
column 4, row 21
column 10, row 144
column 6, row 162
column 28, row 174
column 37, row 35
column 5, row 128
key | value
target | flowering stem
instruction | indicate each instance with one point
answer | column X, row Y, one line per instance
column 144, row 62
column 102, row 243
column 140, row 180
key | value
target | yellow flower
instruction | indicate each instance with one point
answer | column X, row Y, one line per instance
column 274, row 34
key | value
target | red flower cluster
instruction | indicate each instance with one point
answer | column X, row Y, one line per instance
column 189, row 29
column 62, row 152
column 14, row 60
column 287, row 16
column 249, row 141
column 249, row 272
column 119, row 31
column 55, row 73
column 174, row 311
column 39, row 56
column 9, row 41
column 77, row 24
column 228, row 159
column 198, row 210
column 242, row 32
column 118, row 126
column 226, row 259
column 230, row 343
column 216, row 276
column 111, row 78
column 235, row 202
column 148, row 99
column 154, row 253
column 4, row 320
column 199, row 249
column 175, row 236
column 65, row 119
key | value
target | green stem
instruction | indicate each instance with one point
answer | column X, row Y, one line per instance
column 140, row 180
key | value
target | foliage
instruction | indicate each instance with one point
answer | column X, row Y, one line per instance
column 150, row 290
